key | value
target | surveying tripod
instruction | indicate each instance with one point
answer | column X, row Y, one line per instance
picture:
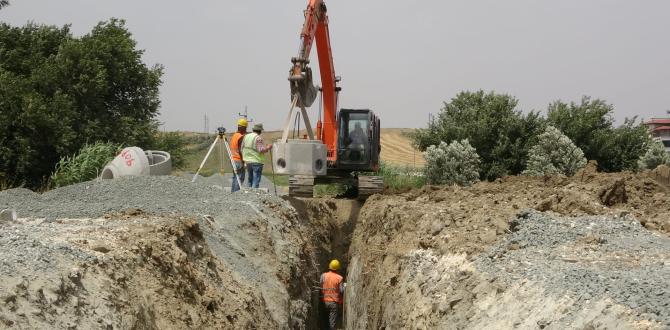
column 221, row 136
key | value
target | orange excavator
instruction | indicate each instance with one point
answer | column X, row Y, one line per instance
column 346, row 143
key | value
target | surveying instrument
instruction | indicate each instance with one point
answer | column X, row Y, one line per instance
column 220, row 137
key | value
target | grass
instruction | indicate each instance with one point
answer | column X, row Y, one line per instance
column 84, row 165
column 401, row 177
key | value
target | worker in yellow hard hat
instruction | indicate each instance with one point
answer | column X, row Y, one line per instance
column 332, row 291
column 235, row 147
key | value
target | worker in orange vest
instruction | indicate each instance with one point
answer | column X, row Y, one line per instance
column 332, row 291
column 235, row 147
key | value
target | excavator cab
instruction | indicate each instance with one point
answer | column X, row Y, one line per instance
column 358, row 143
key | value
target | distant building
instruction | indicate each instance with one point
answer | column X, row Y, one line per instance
column 660, row 130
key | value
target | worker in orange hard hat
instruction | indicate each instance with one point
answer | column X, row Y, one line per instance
column 235, row 147
column 332, row 292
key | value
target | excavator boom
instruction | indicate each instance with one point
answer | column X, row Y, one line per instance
column 346, row 143
column 316, row 29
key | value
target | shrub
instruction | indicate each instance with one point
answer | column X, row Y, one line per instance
column 85, row 165
column 554, row 153
column 454, row 163
column 656, row 155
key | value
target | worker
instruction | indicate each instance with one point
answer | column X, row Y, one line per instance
column 238, row 160
column 253, row 153
column 358, row 140
column 332, row 291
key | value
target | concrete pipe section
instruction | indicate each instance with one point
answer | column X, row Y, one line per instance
column 134, row 161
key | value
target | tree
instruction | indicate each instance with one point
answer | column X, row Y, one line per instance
column 4, row 3
column 454, row 163
column 591, row 127
column 656, row 155
column 501, row 134
column 554, row 153
column 58, row 93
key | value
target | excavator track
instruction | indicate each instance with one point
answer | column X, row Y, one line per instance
column 301, row 186
column 369, row 185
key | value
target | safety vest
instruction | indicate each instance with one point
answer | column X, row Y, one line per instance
column 330, row 287
column 249, row 152
column 235, row 145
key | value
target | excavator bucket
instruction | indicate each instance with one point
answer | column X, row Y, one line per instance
column 303, row 86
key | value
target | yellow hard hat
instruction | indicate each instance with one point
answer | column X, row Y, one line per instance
column 242, row 122
column 334, row 265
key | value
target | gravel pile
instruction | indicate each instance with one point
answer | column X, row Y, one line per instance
column 225, row 181
column 157, row 194
column 587, row 259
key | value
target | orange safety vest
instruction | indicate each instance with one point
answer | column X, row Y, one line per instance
column 235, row 143
column 330, row 287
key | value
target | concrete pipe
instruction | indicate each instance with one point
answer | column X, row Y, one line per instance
column 132, row 161
column 160, row 162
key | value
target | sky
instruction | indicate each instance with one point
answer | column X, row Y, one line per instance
column 402, row 59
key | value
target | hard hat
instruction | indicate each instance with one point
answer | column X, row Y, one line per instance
column 242, row 122
column 334, row 265
column 258, row 127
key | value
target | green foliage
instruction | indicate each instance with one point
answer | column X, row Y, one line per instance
column 330, row 190
column 84, row 165
column 656, row 155
column 501, row 135
column 174, row 143
column 591, row 127
column 58, row 92
column 401, row 177
column 554, row 153
column 454, row 163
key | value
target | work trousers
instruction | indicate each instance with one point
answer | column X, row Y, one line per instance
column 255, row 171
column 332, row 309
column 239, row 171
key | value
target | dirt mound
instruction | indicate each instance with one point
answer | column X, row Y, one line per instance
column 139, row 272
column 414, row 255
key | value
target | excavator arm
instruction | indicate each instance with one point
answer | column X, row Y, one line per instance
column 314, row 29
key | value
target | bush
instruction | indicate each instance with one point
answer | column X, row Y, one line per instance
column 454, row 163
column 656, row 155
column 401, row 177
column 554, row 153
column 175, row 144
column 499, row 132
column 85, row 165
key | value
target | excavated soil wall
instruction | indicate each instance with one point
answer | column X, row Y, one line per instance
column 588, row 252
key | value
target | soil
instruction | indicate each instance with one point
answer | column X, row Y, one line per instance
column 155, row 252
column 591, row 252
column 418, row 257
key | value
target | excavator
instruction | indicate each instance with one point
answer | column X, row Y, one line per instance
column 346, row 143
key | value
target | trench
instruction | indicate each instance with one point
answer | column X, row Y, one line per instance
column 332, row 223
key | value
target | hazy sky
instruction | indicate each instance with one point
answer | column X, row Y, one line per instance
column 399, row 58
